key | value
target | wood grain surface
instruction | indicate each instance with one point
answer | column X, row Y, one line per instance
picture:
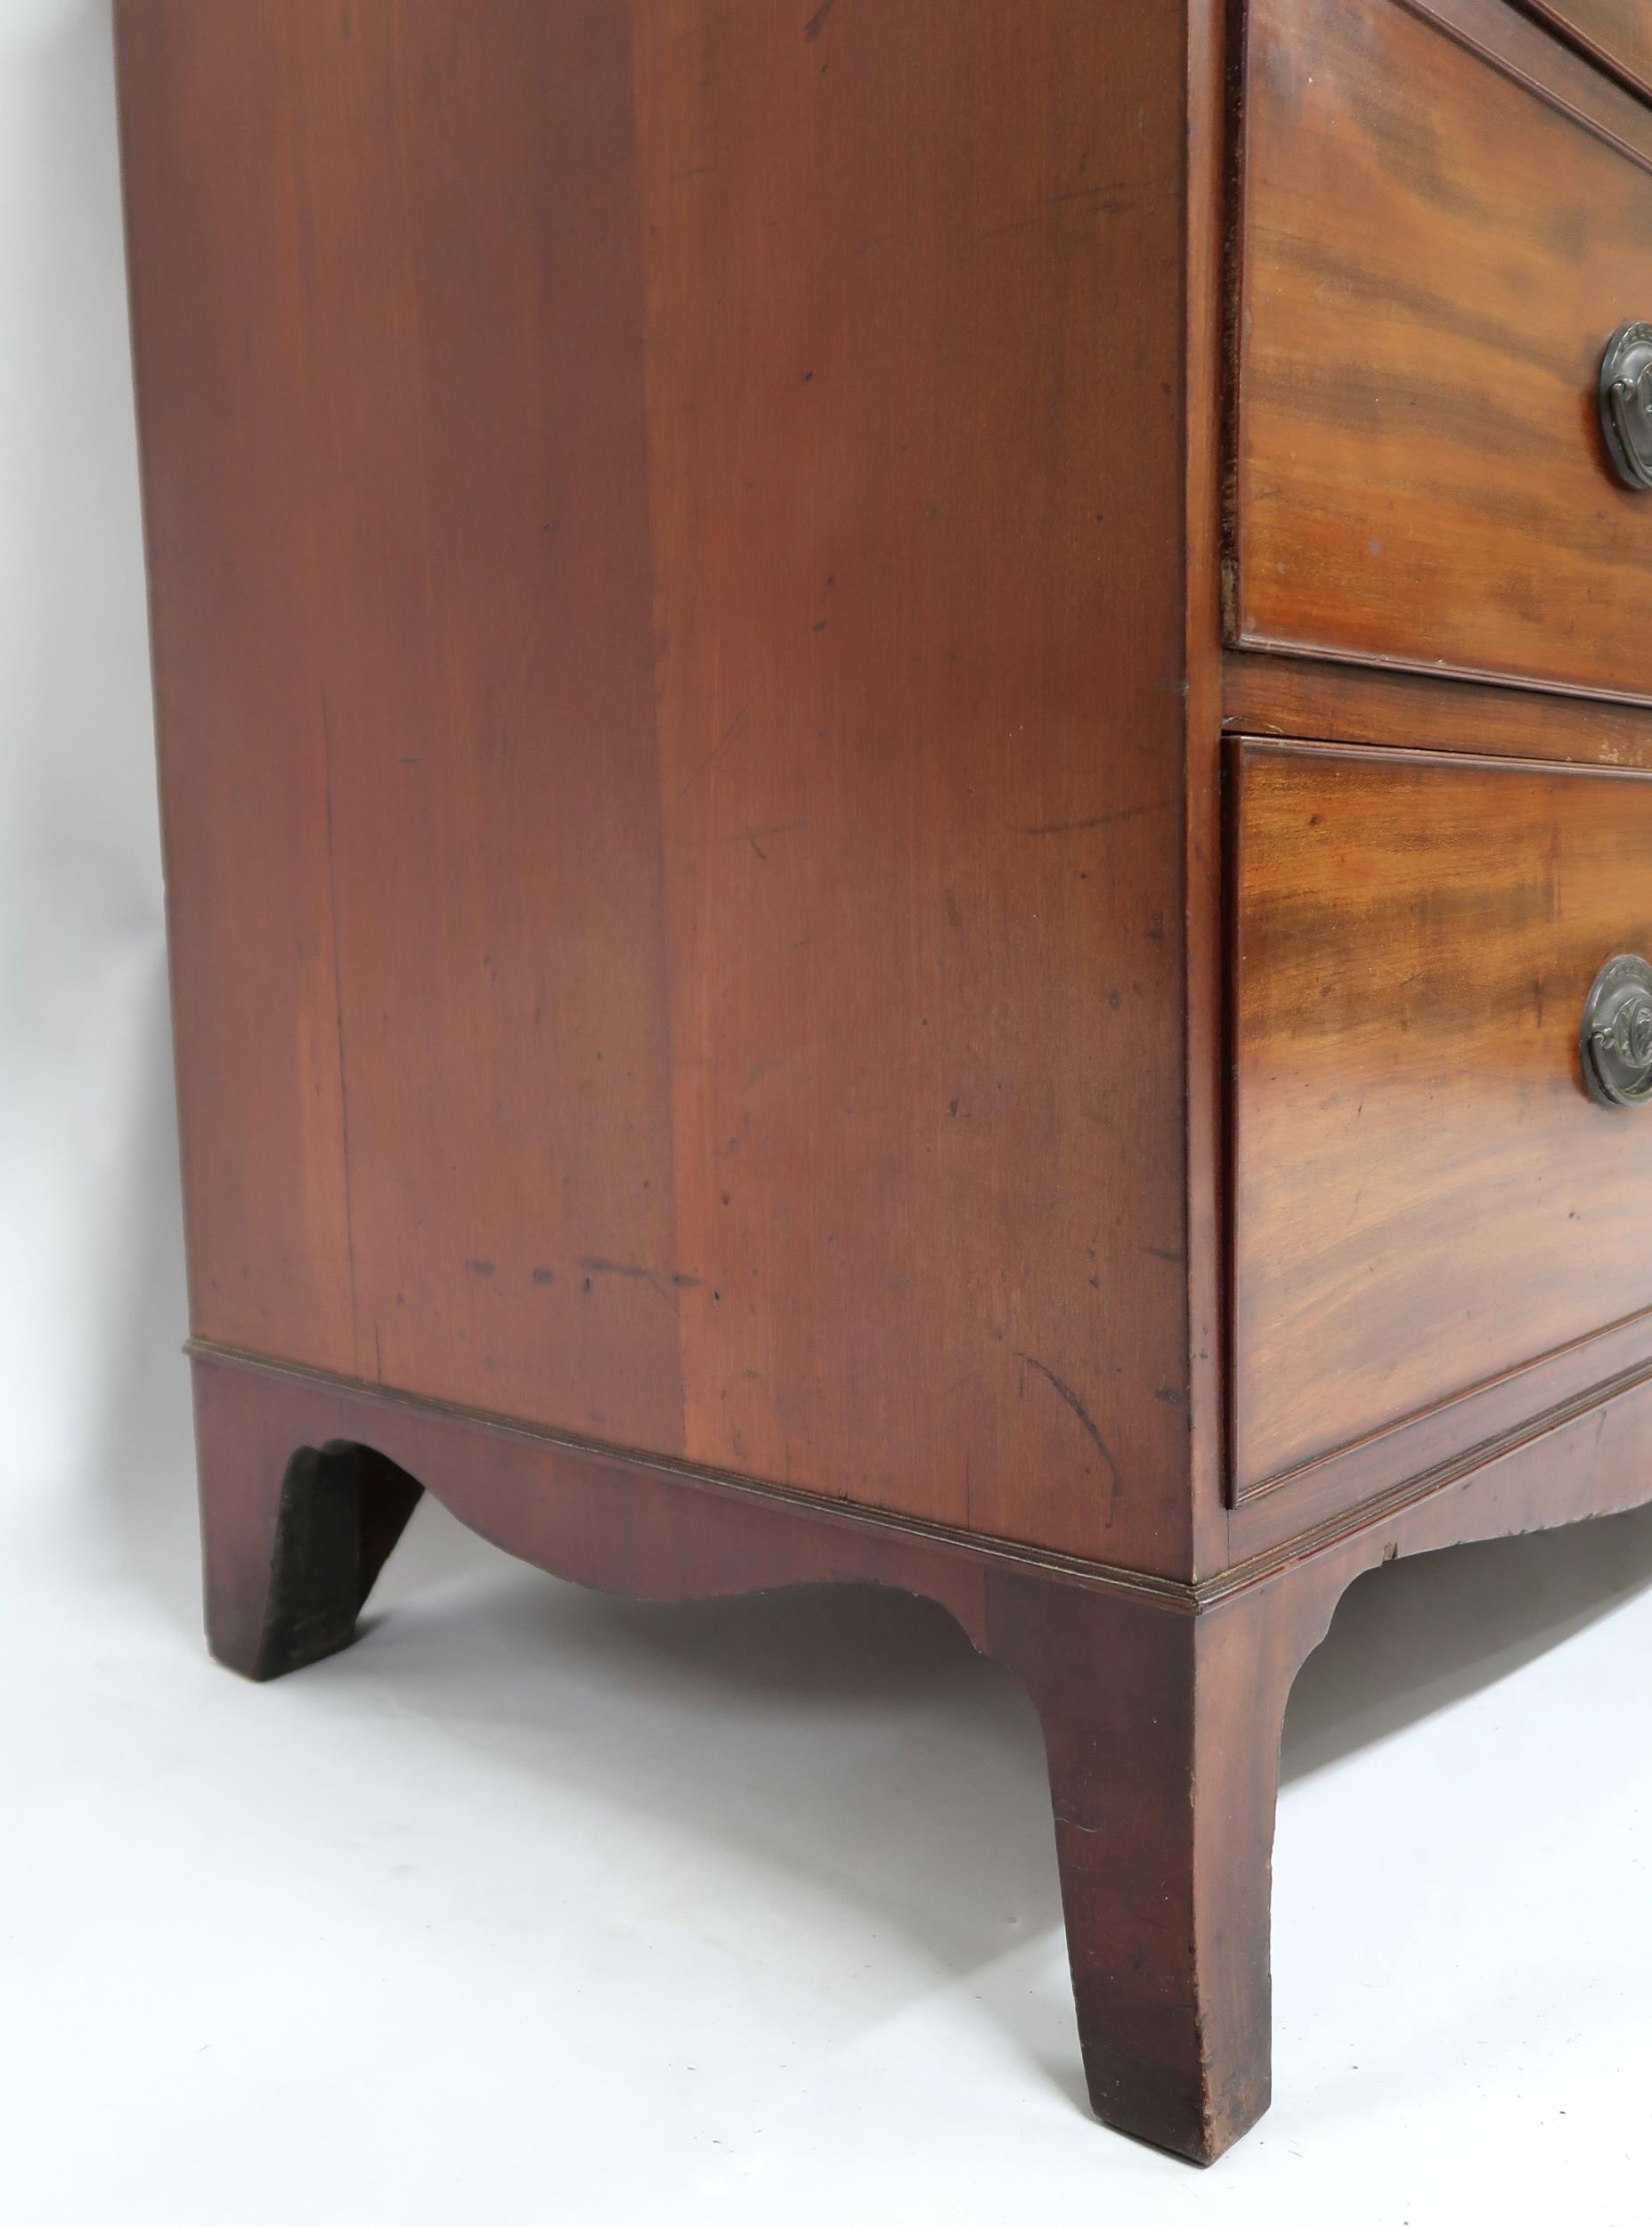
column 1617, row 33
column 1308, row 700
column 736, row 1019
column 1424, row 1199
column 1445, row 217
column 674, row 803
column 1161, row 1706
column 1161, row 1725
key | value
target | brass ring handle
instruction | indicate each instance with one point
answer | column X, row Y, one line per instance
column 1616, row 1039
column 1626, row 403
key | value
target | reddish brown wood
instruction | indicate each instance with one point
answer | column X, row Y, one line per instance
column 1300, row 698
column 1562, row 1468
column 671, row 917
column 1425, row 1200
column 1162, row 1731
column 1616, row 33
column 397, row 511
column 1584, row 1457
column 1161, row 1703
column 1162, row 1724
column 686, row 560
column 1445, row 217
column 1214, row 43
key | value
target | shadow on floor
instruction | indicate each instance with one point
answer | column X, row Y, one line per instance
column 1417, row 1636
column 850, row 1739
column 1410, row 1637
column 141, row 1458
column 783, row 1723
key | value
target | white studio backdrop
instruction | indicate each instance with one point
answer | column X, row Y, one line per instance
column 91, row 1303
column 539, row 1907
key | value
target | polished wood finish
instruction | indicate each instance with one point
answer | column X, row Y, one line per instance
column 1163, row 1732
column 1305, row 700
column 669, row 917
column 1424, row 1198
column 742, row 1016
column 1445, row 218
column 1616, row 33
column 1161, row 1703
column 1161, row 1723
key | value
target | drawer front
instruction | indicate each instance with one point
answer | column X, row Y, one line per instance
column 1445, row 218
column 1617, row 33
column 1438, row 1234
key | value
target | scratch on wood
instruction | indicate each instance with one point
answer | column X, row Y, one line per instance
column 784, row 826
column 594, row 1265
column 1111, row 201
column 734, row 727
column 1100, row 819
column 817, row 23
column 1066, row 1392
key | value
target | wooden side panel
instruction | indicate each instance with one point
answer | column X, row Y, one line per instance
column 668, row 551
column 1424, row 1197
column 1441, row 230
column 238, row 591
column 1162, row 1727
column 915, row 473
column 1617, row 33
column 443, row 390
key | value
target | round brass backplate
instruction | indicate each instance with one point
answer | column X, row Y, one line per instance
column 1616, row 1039
column 1626, row 403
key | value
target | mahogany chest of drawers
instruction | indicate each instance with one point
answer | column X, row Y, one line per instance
column 906, row 759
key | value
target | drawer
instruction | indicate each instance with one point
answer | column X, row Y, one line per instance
column 1438, row 1234
column 1445, row 218
column 1618, row 33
